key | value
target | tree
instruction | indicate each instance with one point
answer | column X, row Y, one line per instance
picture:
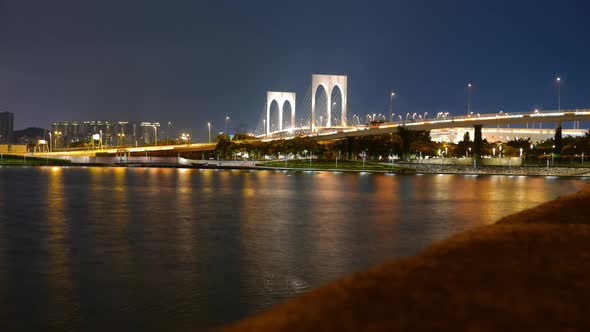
column 464, row 145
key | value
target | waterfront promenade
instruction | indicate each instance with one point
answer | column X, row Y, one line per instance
column 499, row 170
column 432, row 168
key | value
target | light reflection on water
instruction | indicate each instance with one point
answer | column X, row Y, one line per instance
column 180, row 249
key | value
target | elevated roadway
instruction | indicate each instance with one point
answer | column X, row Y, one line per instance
column 484, row 120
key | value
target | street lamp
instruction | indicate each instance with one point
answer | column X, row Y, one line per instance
column 57, row 134
column 185, row 137
column 121, row 135
column 558, row 81
column 209, row 130
column 226, row 120
column 50, row 145
column 468, row 98
column 391, row 95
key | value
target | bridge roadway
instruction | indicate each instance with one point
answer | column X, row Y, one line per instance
column 142, row 149
column 485, row 120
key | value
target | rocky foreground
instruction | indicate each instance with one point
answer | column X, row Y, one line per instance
column 528, row 272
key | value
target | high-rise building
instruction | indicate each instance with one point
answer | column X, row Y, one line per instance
column 112, row 133
column 6, row 127
column 150, row 132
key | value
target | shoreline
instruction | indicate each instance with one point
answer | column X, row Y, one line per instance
column 527, row 271
column 411, row 169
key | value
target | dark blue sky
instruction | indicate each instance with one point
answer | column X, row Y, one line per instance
column 194, row 61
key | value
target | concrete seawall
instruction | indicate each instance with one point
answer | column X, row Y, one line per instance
column 527, row 272
column 512, row 161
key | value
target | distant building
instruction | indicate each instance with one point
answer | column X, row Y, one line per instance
column 115, row 133
column 150, row 132
column 6, row 128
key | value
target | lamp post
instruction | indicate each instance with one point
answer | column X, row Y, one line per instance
column 333, row 109
column 50, row 142
column 185, row 138
column 226, row 120
column 391, row 95
column 468, row 98
column 209, row 131
column 121, row 135
column 57, row 134
column 558, row 81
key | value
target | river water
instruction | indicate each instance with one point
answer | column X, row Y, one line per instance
column 145, row 249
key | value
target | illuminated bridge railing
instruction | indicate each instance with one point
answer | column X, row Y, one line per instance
column 441, row 119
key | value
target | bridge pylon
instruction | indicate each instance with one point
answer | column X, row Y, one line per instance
column 281, row 98
column 329, row 82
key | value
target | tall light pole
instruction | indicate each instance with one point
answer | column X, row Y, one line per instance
column 57, row 134
column 209, row 128
column 391, row 95
column 121, row 136
column 558, row 81
column 226, row 120
column 49, row 141
column 468, row 98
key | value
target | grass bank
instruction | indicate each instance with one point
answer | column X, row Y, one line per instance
column 20, row 160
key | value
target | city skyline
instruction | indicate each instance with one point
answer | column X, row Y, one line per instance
column 198, row 64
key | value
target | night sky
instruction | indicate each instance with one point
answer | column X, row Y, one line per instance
column 190, row 62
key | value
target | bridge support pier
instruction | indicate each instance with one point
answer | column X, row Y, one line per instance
column 558, row 139
column 477, row 143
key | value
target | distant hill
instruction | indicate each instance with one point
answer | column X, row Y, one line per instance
column 29, row 135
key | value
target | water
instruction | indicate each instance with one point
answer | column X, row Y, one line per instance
column 120, row 249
